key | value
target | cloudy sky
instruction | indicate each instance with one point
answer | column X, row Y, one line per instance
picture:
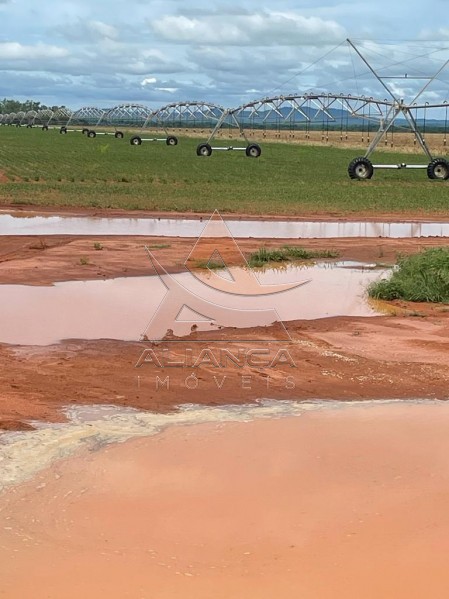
column 106, row 52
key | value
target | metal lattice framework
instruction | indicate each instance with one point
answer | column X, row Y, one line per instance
column 307, row 108
column 179, row 115
column 119, row 117
column 59, row 118
column 87, row 116
column 43, row 117
column 437, row 168
column 30, row 118
column 18, row 118
column 187, row 114
column 296, row 110
column 126, row 115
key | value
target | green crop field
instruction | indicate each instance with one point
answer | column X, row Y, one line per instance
column 46, row 168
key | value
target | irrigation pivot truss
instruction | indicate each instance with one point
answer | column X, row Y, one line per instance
column 285, row 115
column 43, row 117
column 57, row 119
column 120, row 117
column 309, row 110
column 177, row 115
column 81, row 120
column 437, row 168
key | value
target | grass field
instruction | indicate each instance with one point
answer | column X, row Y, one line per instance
column 45, row 168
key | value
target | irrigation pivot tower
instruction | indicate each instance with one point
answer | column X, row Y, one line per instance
column 362, row 167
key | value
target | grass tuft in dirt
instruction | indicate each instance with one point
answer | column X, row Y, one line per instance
column 209, row 264
column 288, row 253
column 423, row 277
column 159, row 246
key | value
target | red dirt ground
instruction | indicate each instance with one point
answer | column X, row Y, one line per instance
column 391, row 356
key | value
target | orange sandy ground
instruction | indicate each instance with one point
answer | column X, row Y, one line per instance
column 342, row 503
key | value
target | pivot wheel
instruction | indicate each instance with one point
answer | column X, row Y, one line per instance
column 63, row 130
column 204, row 150
column 135, row 141
column 91, row 134
column 44, row 128
column 171, row 140
column 360, row 168
column 253, row 151
column 118, row 135
column 85, row 131
column 438, row 169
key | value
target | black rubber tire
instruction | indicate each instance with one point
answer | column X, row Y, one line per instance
column 361, row 168
column 204, row 150
column 118, row 135
column 85, row 131
column 253, row 151
column 63, row 130
column 171, row 140
column 438, row 169
column 44, row 128
column 135, row 140
column 29, row 126
column 91, row 134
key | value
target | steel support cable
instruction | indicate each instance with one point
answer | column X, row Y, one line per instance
column 309, row 66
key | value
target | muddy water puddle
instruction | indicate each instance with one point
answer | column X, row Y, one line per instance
column 68, row 225
column 91, row 427
column 23, row 454
column 316, row 500
column 128, row 308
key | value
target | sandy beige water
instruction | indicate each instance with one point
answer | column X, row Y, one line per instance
column 336, row 503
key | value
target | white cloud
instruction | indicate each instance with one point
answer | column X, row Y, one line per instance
column 169, row 90
column 258, row 29
column 102, row 29
column 442, row 33
column 16, row 51
column 148, row 81
column 105, row 52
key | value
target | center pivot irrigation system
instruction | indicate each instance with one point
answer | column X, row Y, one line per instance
column 233, row 118
column 287, row 116
column 81, row 120
column 333, row 111
column 57, row 120
column 181, row 115
column 437, row 168
column 119, row 117
column 288, row 112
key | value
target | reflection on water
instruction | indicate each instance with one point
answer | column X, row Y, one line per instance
column 23, row 454
column 122, row 308
column 170, row 227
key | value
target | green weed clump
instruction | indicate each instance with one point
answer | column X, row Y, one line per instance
column 287, row 253
column 209, row 264
column 422, row 277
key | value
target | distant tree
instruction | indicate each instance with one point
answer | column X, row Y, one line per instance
column 8, row 105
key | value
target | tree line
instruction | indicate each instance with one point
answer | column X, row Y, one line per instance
column 8, row 105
